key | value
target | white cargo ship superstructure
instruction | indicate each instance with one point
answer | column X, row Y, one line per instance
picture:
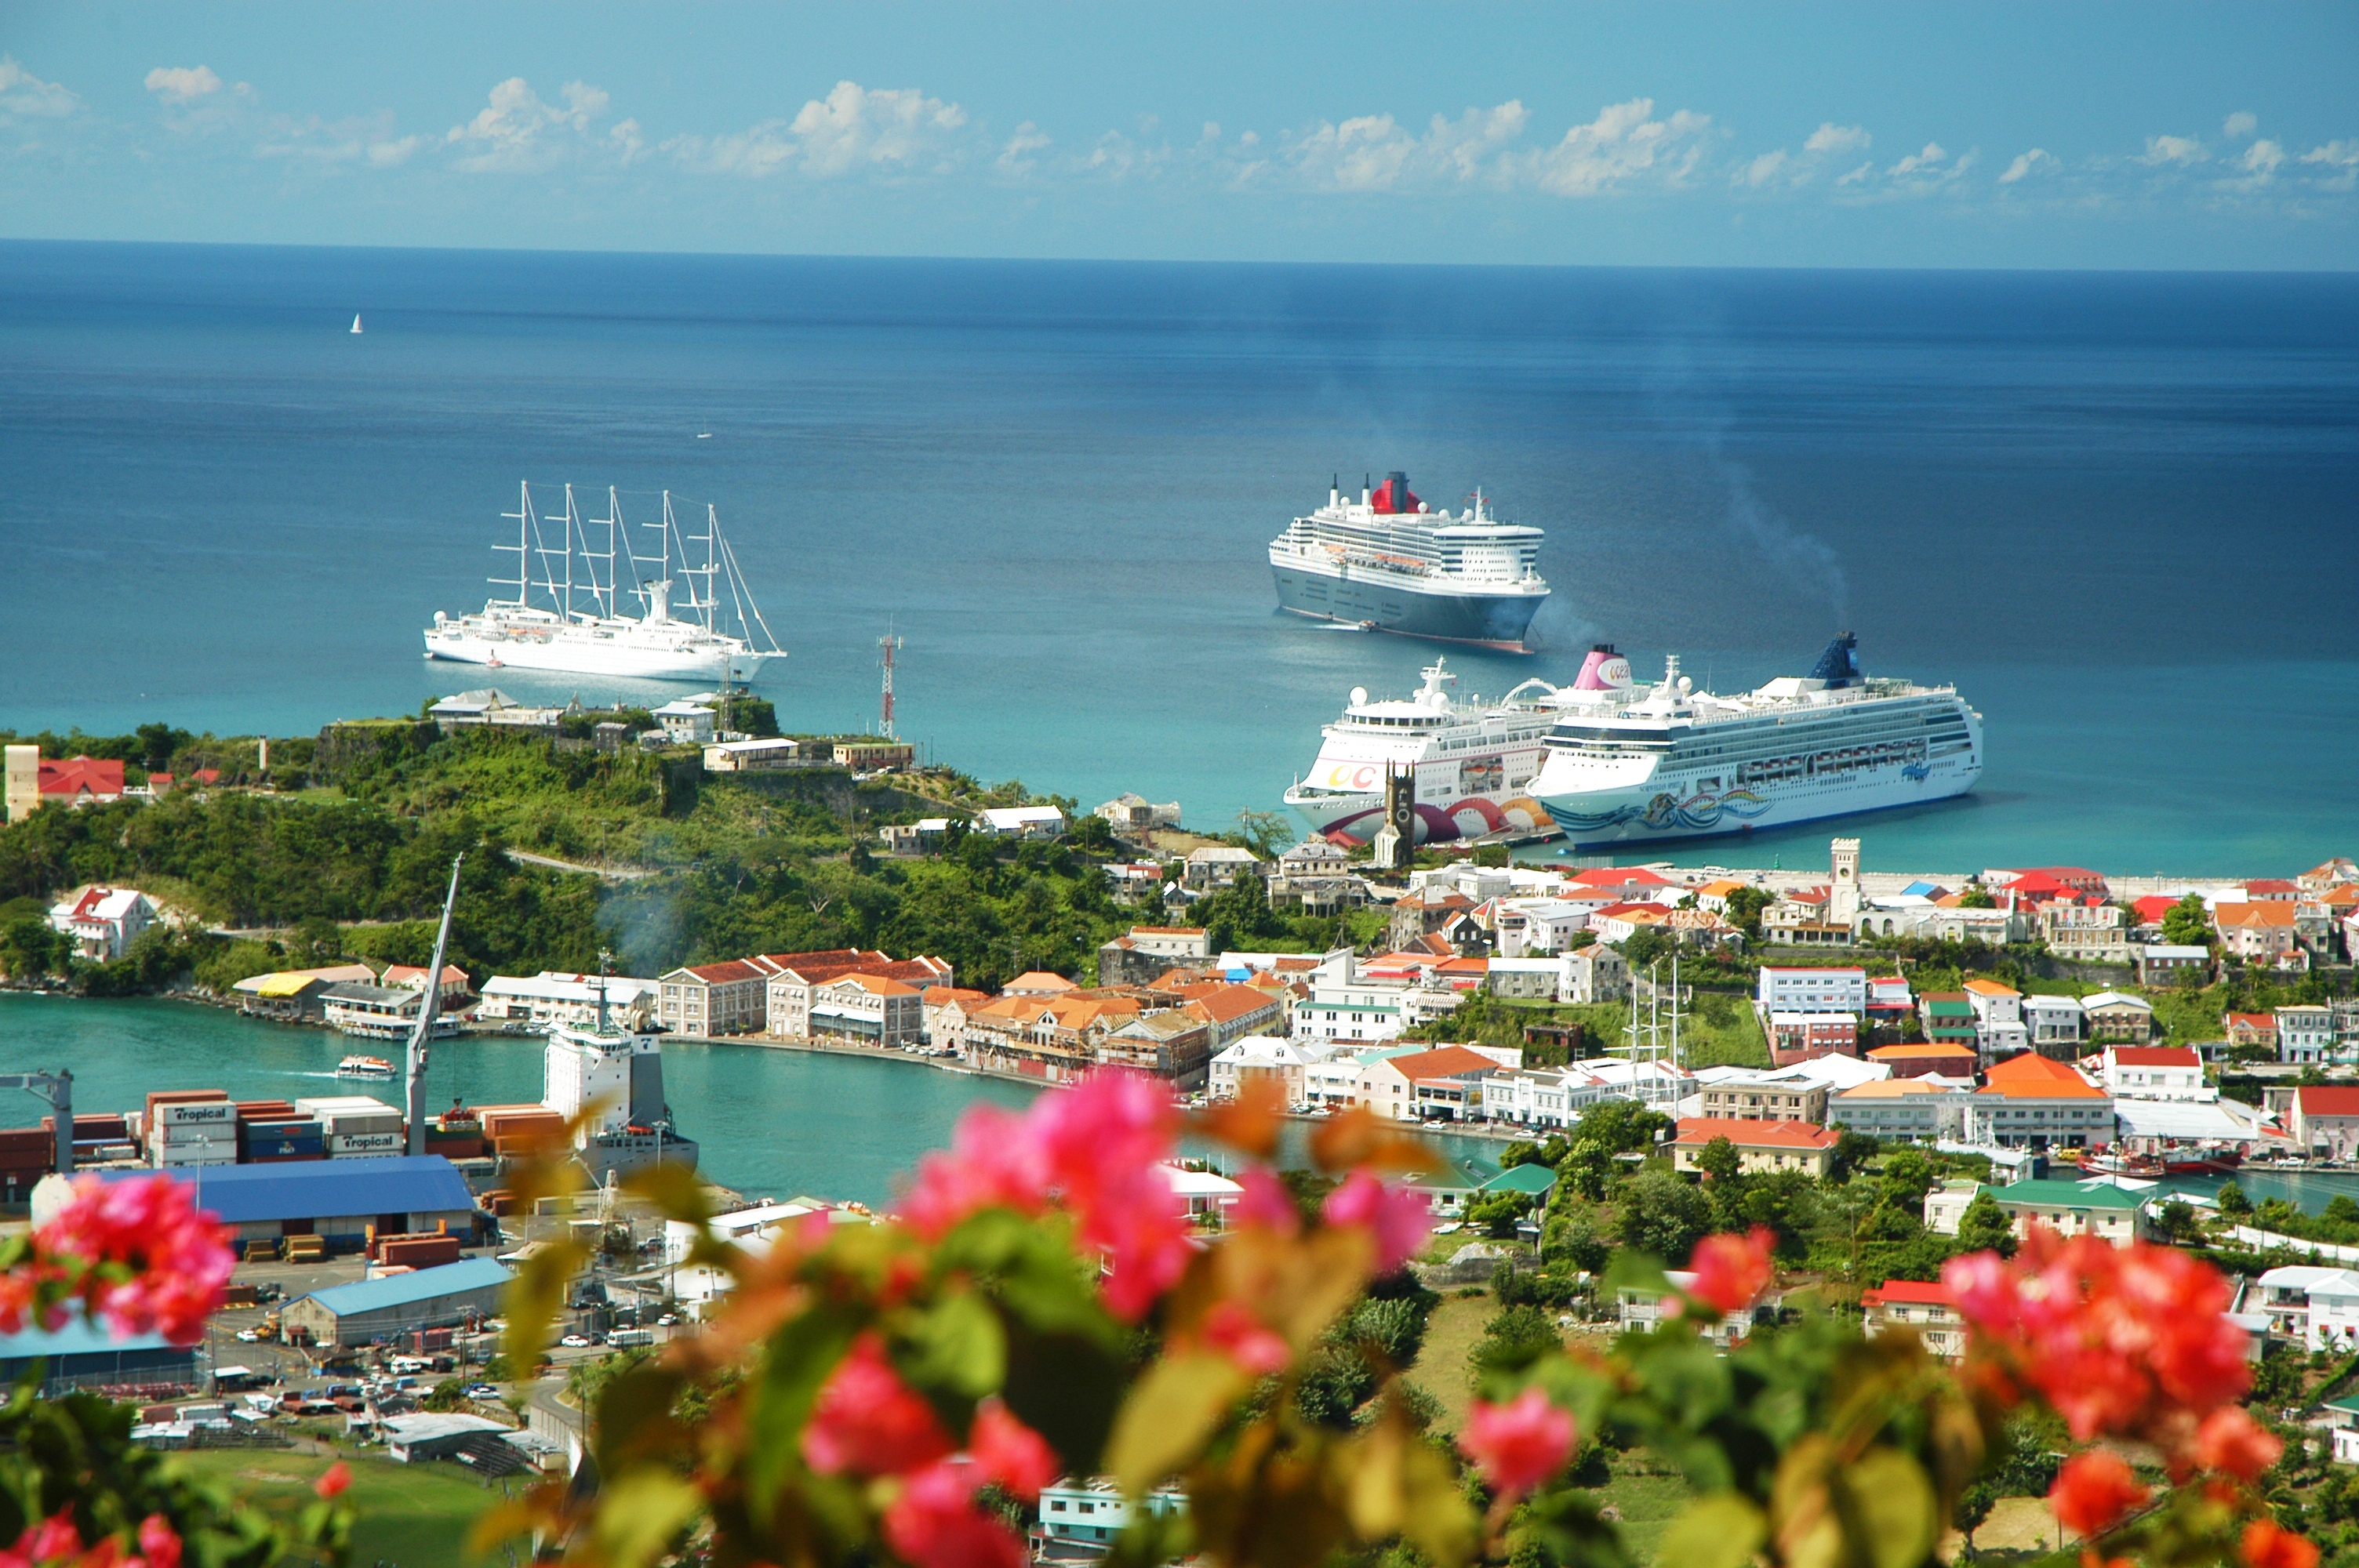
column 617, row 1074
column 1387, row 563
column 1679, row 763
column 718, row 633
column 1474, row 760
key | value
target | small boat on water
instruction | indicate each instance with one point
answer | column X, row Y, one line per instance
column 357, row 322
column 364, row 1067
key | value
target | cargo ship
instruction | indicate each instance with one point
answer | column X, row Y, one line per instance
column 616, row 1074
column 1388, row 563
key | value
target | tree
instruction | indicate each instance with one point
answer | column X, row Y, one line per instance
column 1662, row 1215
column 2176, row 1219
column 1907, row 1177
column 1975, row 1506
column 1642, row 946
column 1720, row 1160
column 1265, row 832
column 2187, row 923
column 30, row 950
column 1986, row 1227
column 2233, row 1203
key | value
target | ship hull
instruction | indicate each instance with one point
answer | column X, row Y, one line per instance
column 1653, row 811
column 1355, row 817
column 1484, row 620
column 590, row 658
column 620, row 1154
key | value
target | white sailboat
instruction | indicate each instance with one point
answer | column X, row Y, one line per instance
column 716, row 633
column 357, row 322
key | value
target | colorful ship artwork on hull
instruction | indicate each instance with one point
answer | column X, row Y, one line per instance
column 1443, row 824
column 1700, row 813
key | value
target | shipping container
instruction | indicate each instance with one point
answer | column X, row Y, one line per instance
column 370, row 1143
column 187, row 1113
column 286, row 1159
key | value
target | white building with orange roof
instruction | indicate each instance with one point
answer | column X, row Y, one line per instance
column 1037, row 983
column 1921, row 1107
column 944, row 1009
column 2030, row 1102
column 871, row 1009
column 2257, row 930
column 1444, row 1083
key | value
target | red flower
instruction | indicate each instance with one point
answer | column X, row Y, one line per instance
column 331, row 1484
column 2092, row 1491
column 160, row 1543
column 1010, row 1453
column 148, row 1260
column 1236, row 1334
column 1398, row 1219
column 2267, row 1545
column 1519, row 1444
column 2234, row 1442
column 869, row 1421
column 935, row 1524
column 1265, row 1202
column 1731, row 1271
column 53, row 1537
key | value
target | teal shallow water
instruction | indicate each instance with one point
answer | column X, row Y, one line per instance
column 771, row 1124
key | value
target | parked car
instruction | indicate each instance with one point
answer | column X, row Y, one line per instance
column 576, row 1342
column 482, row 1391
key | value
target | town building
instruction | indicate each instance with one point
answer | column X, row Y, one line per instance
column 1998, row 1018
column 1919, row 1058
column 1523, row 926
column 2074, row 1209
column 553, row 996
column 2315, row 1305
column 1799, row 1036
column 1645, row 1308
column 685, row 722
column 1211, row 867
column 1260, row 1058
column 23, row 781
column 1928, row 1310
column 1761, row 1146
column 867, row 1010
column 2305, row 1033
column 1946, row 1205
column 81, row 1354
column 2324, row 1118
column 1444, row 1083
column 2153, row 1072
column 2030, row 1102
column 429, row 1436
column 372, row 1012
column 2249, row 1028
column 1758, row 1097
column 1132, row 813
column 374, row 1311
column 293, row 996
column 1170, row 1043
column 80, row 781
column 1539, row 979
column 455, row 986
column 1020, row 822
column 2085, row 932
column 1594, row 974
column 1948, row 1018
column 769, row 755
column 944, row 1009
column 705, row 1001
column 1315, row 878
column 878, row 755
column 1918, row 1109
column 103, row 922
column 2117, row 1015
column 791, row 982
column 2256, row 930
column 1783, row 989
column 1081, row 1520
column 2164, row 964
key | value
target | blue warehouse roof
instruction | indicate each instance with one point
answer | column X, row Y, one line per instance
column 403, row 1289
column 316, row 1189
column 79, row 1338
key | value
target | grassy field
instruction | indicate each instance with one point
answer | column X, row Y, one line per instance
column 1647, row 1497
column 1441, row 1369
column 411, row 1516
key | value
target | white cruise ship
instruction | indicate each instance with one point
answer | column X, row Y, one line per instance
column 1679, row 763
column 1474, row 760
column 1386, row 563
column 583, row 627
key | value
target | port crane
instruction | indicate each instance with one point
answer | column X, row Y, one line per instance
column 432, row 1002
column 58, row 1089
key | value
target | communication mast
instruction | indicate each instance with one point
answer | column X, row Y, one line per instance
column 891, row 645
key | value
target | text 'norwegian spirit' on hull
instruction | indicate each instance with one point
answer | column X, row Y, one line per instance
column 1683, row 763
column 1386, row 563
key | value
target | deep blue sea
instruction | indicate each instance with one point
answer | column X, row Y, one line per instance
column 2121, row 511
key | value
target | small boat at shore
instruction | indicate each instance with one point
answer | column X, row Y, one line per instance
column 364, row 1067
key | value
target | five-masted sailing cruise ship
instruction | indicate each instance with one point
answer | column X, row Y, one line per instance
column 714, row 634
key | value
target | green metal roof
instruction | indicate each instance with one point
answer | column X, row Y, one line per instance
column 1532, row 1181
column 2052, row 1194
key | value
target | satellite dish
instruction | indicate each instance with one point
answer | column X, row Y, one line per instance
column 1359, row 697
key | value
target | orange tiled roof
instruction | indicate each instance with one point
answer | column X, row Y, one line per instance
column 1702, row 1129
column 1443, row 1062
column 2254, row 915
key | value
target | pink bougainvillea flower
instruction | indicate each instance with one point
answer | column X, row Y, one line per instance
column 148, row 1260
column 333, row 1484
column 1265, row 1202
column 992, row 1162
column 2266, row 1545
column 1398, row 1219
column 1519, row 1444
column 933, row 1523
column 2232, row 1441
column 868, row 1422
column 160, row 1543
column 1731, row 1270
column 2092, row 1491
column 1006, row 1451
column 1236, row 1334
column 1985, row 1287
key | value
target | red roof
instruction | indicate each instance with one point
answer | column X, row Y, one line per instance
column 1913, row 1292
column 2271, row 887
column 2156, row 1056
column 1744, row 1134
column 1617, row 876
column 2250, row 1021
column 82, row 775
column 723, row 973
column 2327, row 1099
column 1446, row 1062
column 2154, row 906
column 2035, row 1077
column 1226, row 1004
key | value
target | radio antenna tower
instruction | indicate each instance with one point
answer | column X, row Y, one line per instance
column 891, row 645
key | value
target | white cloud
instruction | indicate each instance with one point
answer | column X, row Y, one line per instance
column 516, row 132
column 1018, row 156
column 1623, row 142
column 1764, row 169
column 2183, row 151
column 2240, row 124
column 328, row 144
column 2027, row 165
column 2341, row 154
column 26, row 96
column 1855, row 176
column 627, row 139
column 1375, row 152
column 181, row 84
column 852, row 127
column 394, row 153
column 1917, row 161
column 1831, row 137
column 2261, row 160
column 755, row 151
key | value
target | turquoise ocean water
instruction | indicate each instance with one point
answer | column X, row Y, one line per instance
column 2117, row 509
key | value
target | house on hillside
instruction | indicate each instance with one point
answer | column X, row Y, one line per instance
column 1928, row 1310
column 103, row 922
column 1760, row 1146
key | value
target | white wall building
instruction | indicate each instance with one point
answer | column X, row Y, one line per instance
column 2056, row 1023
column 2305, row 1033
column 1804, row 990
column 1020, row 821
column 555, row 997
column 2154, row 1072
column 103, row 922
column 1264, row 1057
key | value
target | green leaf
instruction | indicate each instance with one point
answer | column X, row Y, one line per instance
column 956, row 1347
column 1722, row 1531
column 1068, row 1389
column 797, row 1360
column 676, row 1189
column 1893, row 1501
column 534, row 1299
column 639, row 1515
column 1169, row 1416
column 634, row 1416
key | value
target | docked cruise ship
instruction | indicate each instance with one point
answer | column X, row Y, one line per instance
column 1386, row 563
column 1679, row 763
column 1474, row 760
column 698, row 619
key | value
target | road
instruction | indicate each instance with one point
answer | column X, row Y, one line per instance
column 608, row 873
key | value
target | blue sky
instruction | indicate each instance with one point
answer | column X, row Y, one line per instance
column 1891, row 134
